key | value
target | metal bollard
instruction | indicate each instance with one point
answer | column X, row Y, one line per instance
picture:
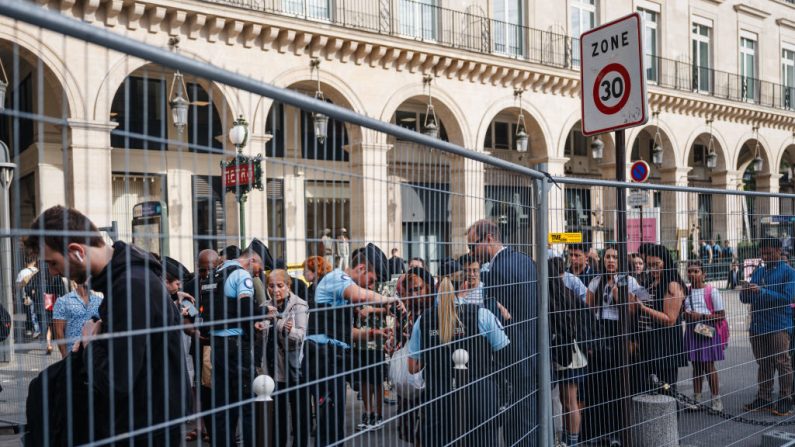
column 263, row 387
column 460, row 360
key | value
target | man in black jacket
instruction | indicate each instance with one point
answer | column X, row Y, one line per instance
column 509, row 278
column 135, row 371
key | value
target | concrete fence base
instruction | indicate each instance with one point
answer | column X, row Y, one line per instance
column 655, row 420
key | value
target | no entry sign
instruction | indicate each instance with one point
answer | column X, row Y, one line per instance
column 639, row 171
column 612, row 77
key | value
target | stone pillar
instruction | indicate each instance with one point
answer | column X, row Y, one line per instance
column 295, row 217
column 674, row 208
column 89, row 171
column 467, row 200
column 257, row 203
column 557, row 199
column 395, row 213
column 180, row 215
column 369, row 193
column 50, row 178
column 767, row 206
column 727, row 209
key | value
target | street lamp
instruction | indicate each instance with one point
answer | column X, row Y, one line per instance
column 657, row 149
column 757, row 164
column 431, row 124
column 712, row 157
column 238, row 134
column 178, row 98
column 521, row 129
column 319, row 120
column 597, row 148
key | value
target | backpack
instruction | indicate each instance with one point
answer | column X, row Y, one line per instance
column 213, row 305
column 5, row 323
column 722, row 327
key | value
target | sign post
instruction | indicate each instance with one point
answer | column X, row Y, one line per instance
column 613, row 95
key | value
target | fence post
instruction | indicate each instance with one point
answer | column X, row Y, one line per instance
column 7, row 270
column 545, row 428
column 263, row 387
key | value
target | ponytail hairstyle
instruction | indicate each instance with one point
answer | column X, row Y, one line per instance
column 446, row 311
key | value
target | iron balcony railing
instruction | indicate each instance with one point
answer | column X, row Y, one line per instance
column 417, row 20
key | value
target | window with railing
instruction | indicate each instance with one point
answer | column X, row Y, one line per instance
column 748, row 68
column 650, row 40
column 418, row 19
column 583, row 18
column 788, row 78
column 311, row 9
column 508, row 28
column 702, row 57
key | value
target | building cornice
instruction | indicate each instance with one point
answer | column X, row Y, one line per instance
column 225, row 24
column 786, row 23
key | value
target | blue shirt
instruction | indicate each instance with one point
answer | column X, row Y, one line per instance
column 574, row 284
column 331, row 292
column 238, row 284
column 75, row 312
column 488, row 326
column 770, row 307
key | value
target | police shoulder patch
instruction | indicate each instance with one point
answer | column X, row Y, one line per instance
column 248, row 283
column 345, row 277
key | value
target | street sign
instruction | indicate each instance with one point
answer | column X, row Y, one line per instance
column 639, row 171
column 638, row 197
column 565, row 238
column 612, row 76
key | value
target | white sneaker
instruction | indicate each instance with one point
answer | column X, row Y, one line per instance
column 717, row 404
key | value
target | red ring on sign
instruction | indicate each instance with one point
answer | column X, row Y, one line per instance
column 610, row 110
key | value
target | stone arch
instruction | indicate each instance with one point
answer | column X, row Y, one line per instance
column 56, row 69
column 537, row 127
column 126, row 66
column 447, row 109
column 749, row 140
column 587, row 166
column 334, row 88
column 788, row 144
column 671, row 156
column 702, row 133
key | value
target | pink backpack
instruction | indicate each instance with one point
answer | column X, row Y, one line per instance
column 722, row 326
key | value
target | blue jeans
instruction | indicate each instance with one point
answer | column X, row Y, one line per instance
column 232, row 376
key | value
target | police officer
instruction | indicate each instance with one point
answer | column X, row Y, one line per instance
column 230, row 296
column 332, row 333
column 454, row 414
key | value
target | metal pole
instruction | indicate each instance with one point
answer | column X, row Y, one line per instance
column 545, row 428
column 7, row 273
column 623, row 269
column 641, row 225
column 241, row 202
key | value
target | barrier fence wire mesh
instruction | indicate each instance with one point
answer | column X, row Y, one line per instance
column 246, row 263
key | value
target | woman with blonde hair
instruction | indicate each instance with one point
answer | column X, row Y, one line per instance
column 451, row 325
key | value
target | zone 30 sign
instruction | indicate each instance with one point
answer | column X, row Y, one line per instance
column 613, row 80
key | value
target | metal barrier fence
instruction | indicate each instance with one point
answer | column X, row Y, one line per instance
column 335, row 335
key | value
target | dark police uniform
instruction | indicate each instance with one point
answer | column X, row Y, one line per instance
column 447, row 412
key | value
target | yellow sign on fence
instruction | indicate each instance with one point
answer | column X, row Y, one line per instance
column 565, row 238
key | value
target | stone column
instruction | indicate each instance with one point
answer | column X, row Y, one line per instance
column 89, row 172
column 467, row 200
column 295, row 217
column 395, row 213
column 257, row 203
column 369, row 195
column 557, row 199
column 51, row 181
column 603, row 202
column 727, row 209
column 180, row 215
column 767, row 206
column 674, row 208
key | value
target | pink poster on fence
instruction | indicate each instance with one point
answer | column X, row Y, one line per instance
column 634, row 237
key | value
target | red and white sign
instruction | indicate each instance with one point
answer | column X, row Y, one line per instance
column 639, row 171
column 238, row 175
column 612, row 76
column 637, row 235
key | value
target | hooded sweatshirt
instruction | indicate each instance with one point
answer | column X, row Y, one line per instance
column 140, row 380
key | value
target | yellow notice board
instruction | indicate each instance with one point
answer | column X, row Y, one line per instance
column 565, row 238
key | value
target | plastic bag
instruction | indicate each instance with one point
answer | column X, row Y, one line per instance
column 407, row 385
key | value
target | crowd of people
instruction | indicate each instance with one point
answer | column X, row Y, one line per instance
column 456, row 348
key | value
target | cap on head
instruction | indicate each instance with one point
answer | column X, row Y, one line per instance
column 449, row 266
column 258, row 247
column 175, row 269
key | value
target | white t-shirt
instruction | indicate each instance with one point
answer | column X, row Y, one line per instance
column 697, row 301
column 610, row 311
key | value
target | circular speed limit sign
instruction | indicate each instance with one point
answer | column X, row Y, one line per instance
column 611, row 88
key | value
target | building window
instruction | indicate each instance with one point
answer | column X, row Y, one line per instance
column 748, row 68
column 499, row 135
column 312, row 9
column 578, row 211
column 19, row 98
column 332, row 149
column 418, row 19
column 576, row 144
column 583, row 18
column 414, row 120
column 788, row 77
column 205, row 131
column 650, row 42
column 702, row 57
column 705, row 216
column 274, row 190
column 699, row 155
column 508, row 27
column 275, row 128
